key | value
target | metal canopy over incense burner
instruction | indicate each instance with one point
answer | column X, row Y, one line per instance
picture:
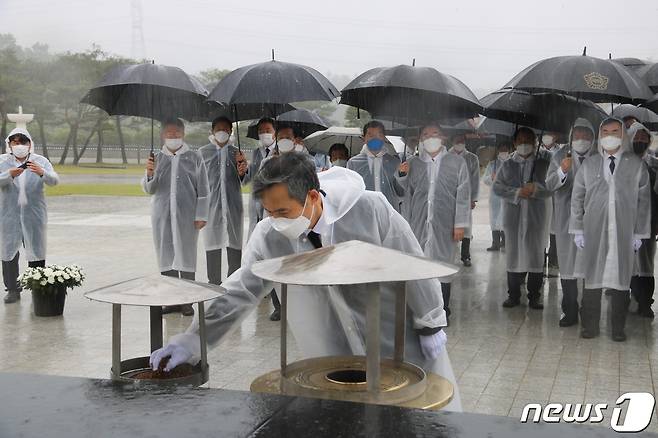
column 155, row 291
column 369, row 378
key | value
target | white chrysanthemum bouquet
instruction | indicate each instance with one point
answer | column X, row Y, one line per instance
column 52, row 278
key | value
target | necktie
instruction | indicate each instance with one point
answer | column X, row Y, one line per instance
column 581, row 159
column 267, row 152
column 612, row 165
column 315, row 239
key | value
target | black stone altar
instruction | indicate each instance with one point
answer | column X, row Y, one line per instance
column 48, row 406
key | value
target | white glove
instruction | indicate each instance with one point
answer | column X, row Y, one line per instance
column 432, row 346
column 637, row 243
column 182, row 348
column 579, row 240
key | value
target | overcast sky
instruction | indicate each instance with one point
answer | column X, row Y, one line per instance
column 482, row 42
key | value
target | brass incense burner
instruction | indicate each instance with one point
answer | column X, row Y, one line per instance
column 369, row 378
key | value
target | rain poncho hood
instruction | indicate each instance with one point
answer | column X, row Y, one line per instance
column 625, row 139
column 19, row 131
column 582, row 123
column 20, row 181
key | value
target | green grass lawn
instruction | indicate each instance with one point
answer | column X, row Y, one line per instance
column 103, row 190
column 100, row 169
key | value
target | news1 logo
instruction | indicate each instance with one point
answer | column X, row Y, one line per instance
column 639, row 411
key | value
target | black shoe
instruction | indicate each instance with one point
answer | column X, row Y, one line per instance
column 510, row 302
column 187, row 310
column 587, row 334
column 12, row 297
column 535, row 304
column 568, row 322
column 619, row 336
column 645, row 312
column 170, row 309
column 493, row 248
column 467, row 262
column 275, row 316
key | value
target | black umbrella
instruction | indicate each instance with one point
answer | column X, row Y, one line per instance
column 584, row 77
column 272, row 82
column 644, row 115
column 543, row 111
column 149, row 90
column 649, row 74
column 410, row 95
column 489, row 126
column 303, row 122
column 652, row 104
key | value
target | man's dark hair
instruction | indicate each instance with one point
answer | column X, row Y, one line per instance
column 269, row 120
column 173, row 121
column 374, row 124
column 339, row 147
column 219, row 119
column 21, row 138
column 525, row 129
column 295, row 169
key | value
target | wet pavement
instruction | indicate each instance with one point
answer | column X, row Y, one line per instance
column 503, row 358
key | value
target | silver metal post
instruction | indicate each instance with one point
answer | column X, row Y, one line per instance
column 202, row 336
column 400, row 323
column 156, row 327
column 373, row 356
column 116, row 341
column 284, row 329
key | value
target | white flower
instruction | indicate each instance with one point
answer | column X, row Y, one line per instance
column 36, row 276
column 48, row 272
column 60, row 280
column 51, row 279
column 43, row 282
column 66, row 276
column 58, row 273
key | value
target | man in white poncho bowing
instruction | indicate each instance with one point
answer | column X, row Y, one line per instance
column 177, row 181
column 610, row 191
column 23, row 210
column 308, row 211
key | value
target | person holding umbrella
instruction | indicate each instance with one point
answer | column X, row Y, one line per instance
column 643, row 282
column 549, row 147
column 376, row 167
column 473, row 164
column 177, row 180
column 561, row 175
column 226, row 167
column 495, row 201
column 610, row 194
column 438, row 184
column 23, row 212
column 521, row 183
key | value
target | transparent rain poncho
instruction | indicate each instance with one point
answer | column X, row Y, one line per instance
column 495, row 201
column 331, row 320
column 23, row 209
column 562, row 188
column 607, row 211
column 378, row 173
column 439, row 193
column 179, row 196
column 525, row 220
column 225, row 216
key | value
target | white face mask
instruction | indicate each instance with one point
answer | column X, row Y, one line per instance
column 432, row 145
column 581, row 146
column 610, row 143
column 503, row 155
column 339, row 163
column 173, row 144
column 20, row 150
column 293, row 228
column 459, row 147
column 547, row 139
column 525, row 149
column 266, row 139
column 285, row 145
column 222, row 137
